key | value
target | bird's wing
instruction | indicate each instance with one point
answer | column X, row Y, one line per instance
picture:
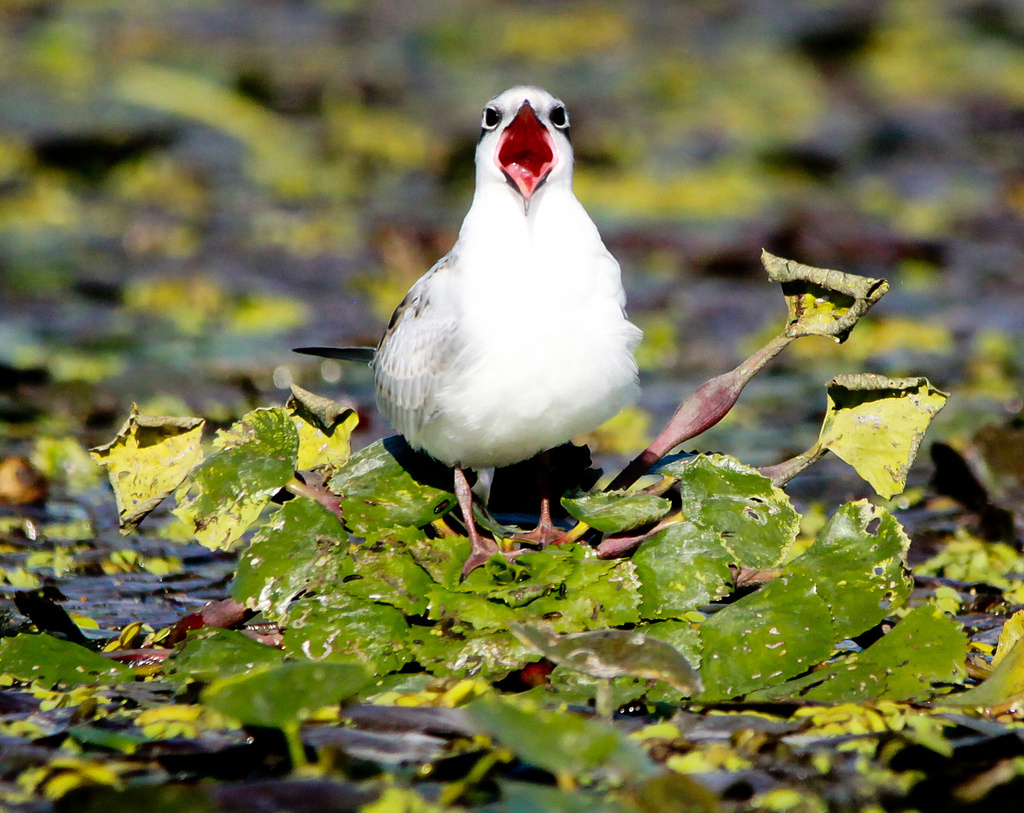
column 363, row 354
column 419, row 347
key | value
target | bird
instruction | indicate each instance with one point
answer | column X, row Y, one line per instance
column 517, row 340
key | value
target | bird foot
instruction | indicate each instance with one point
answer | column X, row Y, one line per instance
column 478, row 556
column 546, row 533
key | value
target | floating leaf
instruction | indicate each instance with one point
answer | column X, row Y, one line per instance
column 681, row 568
column 218, row 653
column 613, row 653
column 282, row 696
column 822, row 302
column 149, row 458
column 925, row 648
column 563, row 744
column 858, row 563
column 876, row 424
column 765, row 638
column 614, row 511
column 754, row 519
column 226, row 493
column 1012, row 632
column 300, row 546
column 491, row 656
column 324, row 428
column 389, row 485
column 48, row 661
column 346, row 629
column 1004, row 685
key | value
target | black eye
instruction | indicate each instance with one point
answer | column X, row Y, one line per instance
column 492, row 118
column 559, row 117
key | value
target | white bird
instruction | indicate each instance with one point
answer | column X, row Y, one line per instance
column 517, row 340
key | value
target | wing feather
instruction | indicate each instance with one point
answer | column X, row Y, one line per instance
column 418, row 348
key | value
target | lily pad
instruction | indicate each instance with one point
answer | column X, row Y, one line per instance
column 614, row 511
column 822, row 302
column 388, row 485
column 149, row 458
column 282, row 696
column 876, row 424
column 858, row 563
column 754, row 520
column 225, row 494
column 324, row 428
column 765, row 638
column 300, row 547
column 48, row 661
column 681, row 568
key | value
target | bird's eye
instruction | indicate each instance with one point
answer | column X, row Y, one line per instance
column 492, row 118
column 559, row 117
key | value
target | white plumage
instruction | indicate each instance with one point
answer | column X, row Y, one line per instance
column 517, row 340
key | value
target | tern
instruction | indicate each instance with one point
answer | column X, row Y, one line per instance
column 517, row 340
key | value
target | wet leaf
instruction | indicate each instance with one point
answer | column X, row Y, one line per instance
column 1012, row 632
column 1004, row 685
column 48, row 661
column 324, row 428
column 858, row 563
column 300, row 546
column 282, row 696
column 389, row 485
column 225, row 494
column 563, row 744
column 219, row 653
column 764, row 638
column 492, row 655
column 876, row 424
column 345, row 629
column 613, row 653
column 149, row 458
column 924, row 649
column 680, row 568
column 753, row 519
column 822, row 302
column 614, row 511
column 390, row 575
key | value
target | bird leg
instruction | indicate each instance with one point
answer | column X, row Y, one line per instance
column 545, row 533
column 480, row 548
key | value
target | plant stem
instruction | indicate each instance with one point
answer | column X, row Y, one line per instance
column 703, row 409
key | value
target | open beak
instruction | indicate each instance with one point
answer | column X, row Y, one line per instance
column 526, row 152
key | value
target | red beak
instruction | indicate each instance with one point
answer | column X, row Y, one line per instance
column 526, row 152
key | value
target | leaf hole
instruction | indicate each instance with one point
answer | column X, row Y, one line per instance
column 872, row 526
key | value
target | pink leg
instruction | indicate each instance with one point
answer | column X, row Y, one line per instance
column 545, row 533
column 480, row 548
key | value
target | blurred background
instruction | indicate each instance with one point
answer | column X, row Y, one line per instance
column 190, row 188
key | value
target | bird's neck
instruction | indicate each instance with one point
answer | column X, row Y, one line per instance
column 499, row 224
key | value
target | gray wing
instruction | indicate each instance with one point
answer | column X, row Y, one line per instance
column 416, row 351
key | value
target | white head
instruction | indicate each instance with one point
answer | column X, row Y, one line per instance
column 524, row 142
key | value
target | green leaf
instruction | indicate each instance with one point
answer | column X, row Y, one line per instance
column 563, row 744
column 925, row 648
column 876, row 424
column 47, row 660
column 680, row 568
column 346, row 629
column 324, row 428
column 614, row 511
column 217, row 653
column 822, row 302
column 858, row 563
column 764, row 638
column 388, row 485
column 283, row 696
column 613, row 653
column 149, row 458
column 390, row 575
column 1004, row 685
column 753, row 519
column 300, row 547
column 491, row 656
column 528, row 797
column 225, row 494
